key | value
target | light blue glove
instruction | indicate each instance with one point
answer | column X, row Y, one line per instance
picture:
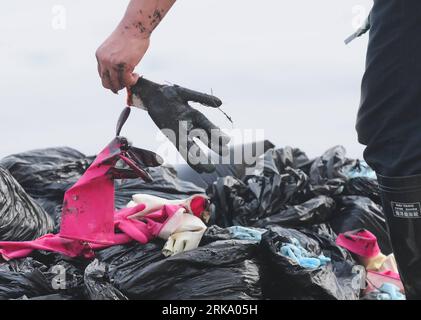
column 244, row 233
column 390, row 292
column 301, row 256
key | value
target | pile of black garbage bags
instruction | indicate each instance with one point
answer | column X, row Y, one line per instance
column 290, row 201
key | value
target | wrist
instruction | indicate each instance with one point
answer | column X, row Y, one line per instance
column 132, row 33
column 135, row 28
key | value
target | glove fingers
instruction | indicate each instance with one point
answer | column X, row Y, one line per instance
column 187, row 148
column 122, row 120
column 179, row 245
column 118, row 173
column 168, row 248
column 193, row 243
column 137, row 169
column 145, row 157
column 190, row 245
column 197, row 159
column 217, row 139
column 131, row 204
column 195, row 96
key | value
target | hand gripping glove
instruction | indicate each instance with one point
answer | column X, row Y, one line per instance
column 195, row 204
column 169, row 108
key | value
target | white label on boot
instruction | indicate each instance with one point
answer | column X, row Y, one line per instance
column 406, row 210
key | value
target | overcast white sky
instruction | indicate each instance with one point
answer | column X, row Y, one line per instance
column 278, row 65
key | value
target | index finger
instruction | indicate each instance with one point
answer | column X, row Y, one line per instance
column 125, row 75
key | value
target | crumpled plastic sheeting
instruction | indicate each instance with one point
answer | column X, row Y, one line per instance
column 364, row 187
column 359, row 170
column 297, row 193
column 341, row 279
column 21, row 217
column 29, row 278
column 287, row 157
column 325, row 172
column 236, row 167
column 235, row 202
column 219, row 270
column 97, row 283
column 46, row 174
column 314, row 211
column 118, row 262
column 329, row 166
column 286, row 178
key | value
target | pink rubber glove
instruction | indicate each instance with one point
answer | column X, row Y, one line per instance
column 88, row 206
column 164, row 222
column 160, row 223
column 49, row 242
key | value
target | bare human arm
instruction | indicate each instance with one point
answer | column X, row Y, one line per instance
column 122, row 51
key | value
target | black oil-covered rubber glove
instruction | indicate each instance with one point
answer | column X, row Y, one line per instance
column 168, row 107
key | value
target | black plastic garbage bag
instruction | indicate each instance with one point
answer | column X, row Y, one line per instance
column 119, row 262
column 240, row 158
column 362, row 186
column 283, row 278
column 277, row 185
column 215, row 233
column 67, row 277
column 357, row 212
column 329, row 165
column 322, row 232
column 46, row 174
column 21, row 218
column 165, row 184
column 314, row 211
column 289, row 157
column 28, row 278
column 219, row 270
column 326, row 175
column 98, row 285
column 23, row 277
column 203, row 180
column 236, row 202
column 232, row 203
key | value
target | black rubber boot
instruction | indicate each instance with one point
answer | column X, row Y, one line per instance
column 401, row 197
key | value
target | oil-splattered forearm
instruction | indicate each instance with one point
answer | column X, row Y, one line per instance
column 143, row 16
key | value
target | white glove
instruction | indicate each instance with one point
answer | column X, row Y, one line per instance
column 186, row 237
column 195, row 204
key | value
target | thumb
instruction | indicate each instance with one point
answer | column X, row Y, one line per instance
column 131, row 79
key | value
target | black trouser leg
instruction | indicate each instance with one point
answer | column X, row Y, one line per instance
column 389, row 124
column 401, row 198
